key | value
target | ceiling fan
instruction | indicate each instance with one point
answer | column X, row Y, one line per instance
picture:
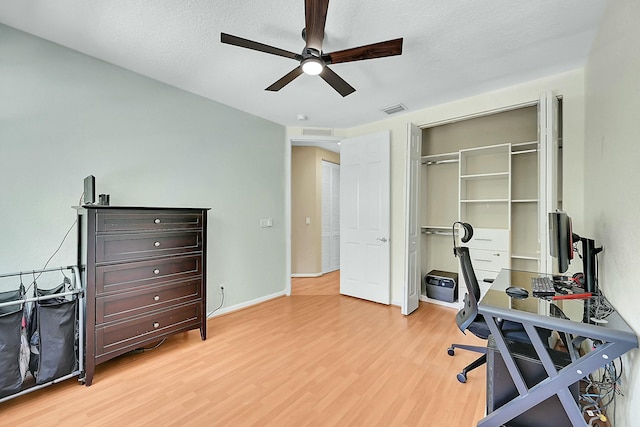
column 312, row 59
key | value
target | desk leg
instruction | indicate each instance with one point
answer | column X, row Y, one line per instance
column 518, row 380
column 557, row 383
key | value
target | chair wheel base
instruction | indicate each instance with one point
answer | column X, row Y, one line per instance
column 462, row 377
column 450, row 351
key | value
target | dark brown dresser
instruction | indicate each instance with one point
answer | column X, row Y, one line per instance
column 144, row 270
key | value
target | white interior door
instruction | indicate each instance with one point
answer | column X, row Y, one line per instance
column 411, row 299
column 365, row 217
column 330, row 216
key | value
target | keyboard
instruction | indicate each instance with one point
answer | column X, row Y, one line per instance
column 542, row 286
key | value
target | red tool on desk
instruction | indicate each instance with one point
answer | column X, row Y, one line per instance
column 573, row 296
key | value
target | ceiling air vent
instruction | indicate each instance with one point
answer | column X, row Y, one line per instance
column 317, row 132
column 392, row 109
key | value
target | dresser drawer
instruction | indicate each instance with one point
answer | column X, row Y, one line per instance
column 489, row 260
column 490, row 238
column 124, row 247
column 133, row 333
column 127, row 304
column 122, row 277
column 147, row 220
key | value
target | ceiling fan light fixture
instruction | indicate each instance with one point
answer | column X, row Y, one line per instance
column 312, row 66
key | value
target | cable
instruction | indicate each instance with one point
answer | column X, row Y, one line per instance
column 61, row 243
column 600, row 393
column 59, row 246
column 143, row 349
column 53, row 254
column 221, row 303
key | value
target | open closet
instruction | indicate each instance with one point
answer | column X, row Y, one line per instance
column 499, row 172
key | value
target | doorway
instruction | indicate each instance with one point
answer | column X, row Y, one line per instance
column 315, row 210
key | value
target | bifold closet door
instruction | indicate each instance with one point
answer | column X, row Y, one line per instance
column 330, row 216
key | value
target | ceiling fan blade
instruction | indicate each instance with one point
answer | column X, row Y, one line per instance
column 336, row 82
column 260, row 47
column 315, row 13
column 371, row 51
column 288, row 78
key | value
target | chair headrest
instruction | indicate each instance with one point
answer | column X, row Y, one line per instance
column 468, row 233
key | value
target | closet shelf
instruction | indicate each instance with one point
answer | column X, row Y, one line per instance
column 524, row 200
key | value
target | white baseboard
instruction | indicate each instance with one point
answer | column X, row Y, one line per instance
column 246, row 304
column 307, row 275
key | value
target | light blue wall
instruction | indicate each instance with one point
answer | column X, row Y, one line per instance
column 64, row 115
column 612, row 178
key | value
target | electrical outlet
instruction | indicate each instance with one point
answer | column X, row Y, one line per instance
column 266, row 222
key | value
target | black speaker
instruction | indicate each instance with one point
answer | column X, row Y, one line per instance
column 90, row 190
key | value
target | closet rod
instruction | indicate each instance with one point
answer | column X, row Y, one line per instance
column 438, row 233
column 533, row 150
column 46, row 270
column 441, row 162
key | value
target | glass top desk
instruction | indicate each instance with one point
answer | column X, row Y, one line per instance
column 592, row 318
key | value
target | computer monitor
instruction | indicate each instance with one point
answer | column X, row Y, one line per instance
column 561, row 240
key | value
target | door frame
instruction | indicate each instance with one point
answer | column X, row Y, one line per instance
column 302, row 140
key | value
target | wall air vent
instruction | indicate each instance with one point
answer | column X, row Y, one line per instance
column 393, row 109
column 317, row 132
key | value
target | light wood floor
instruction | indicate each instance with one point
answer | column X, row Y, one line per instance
column 313, row 359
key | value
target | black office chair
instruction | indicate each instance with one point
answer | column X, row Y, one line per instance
column 468, row 318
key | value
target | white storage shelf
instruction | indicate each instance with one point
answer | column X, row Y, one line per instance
column 497, row 172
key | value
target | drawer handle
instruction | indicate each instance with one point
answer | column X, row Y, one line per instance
column 156, row 324
column 483, row 260
column 156, row 271
column 156, row 244
column 156, row 298
column 484, row 240
column 157, row 220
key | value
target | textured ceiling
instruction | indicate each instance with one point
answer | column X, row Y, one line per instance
column 452, row 48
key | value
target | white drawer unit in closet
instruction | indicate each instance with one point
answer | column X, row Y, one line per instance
column 489, row 250
column 489, row 238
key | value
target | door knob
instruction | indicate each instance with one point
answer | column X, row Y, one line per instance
column 384, row 239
